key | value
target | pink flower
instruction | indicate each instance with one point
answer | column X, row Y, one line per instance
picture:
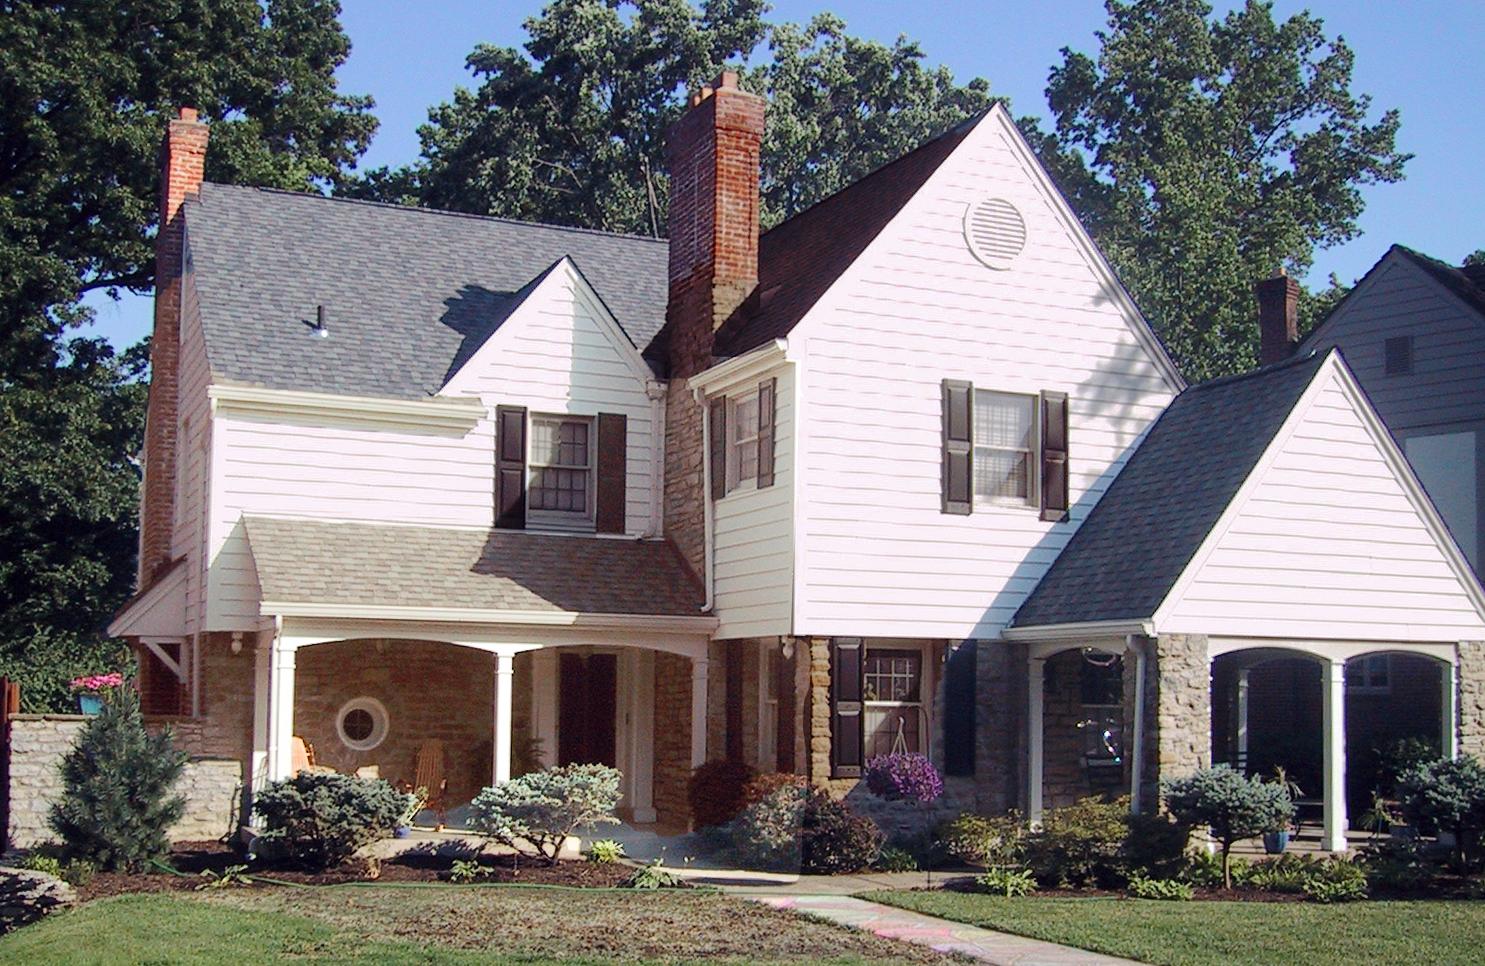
column 98, row 682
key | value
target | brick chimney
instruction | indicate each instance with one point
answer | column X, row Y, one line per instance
column 713, row 225
column 1278, row 318
column 182, row 168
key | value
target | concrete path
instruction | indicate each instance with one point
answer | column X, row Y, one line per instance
column 940, row 934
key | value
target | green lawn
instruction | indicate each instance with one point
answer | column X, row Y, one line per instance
column 1201, row 933
column 439, row 925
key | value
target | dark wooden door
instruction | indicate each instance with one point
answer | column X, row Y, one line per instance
column 586, row 706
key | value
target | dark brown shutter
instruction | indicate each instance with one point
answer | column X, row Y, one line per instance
column 718, row 455
column 613, row 450
column 1054, row 456
column 959, row 709
column 510, row 467
column 847, row 723
column 958, row 442
column 767, row 410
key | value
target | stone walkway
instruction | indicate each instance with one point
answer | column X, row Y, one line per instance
column 940, row 934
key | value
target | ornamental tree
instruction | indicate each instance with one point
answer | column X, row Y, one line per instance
column 1450, row 795
column 1233, row 805
column 539, row 810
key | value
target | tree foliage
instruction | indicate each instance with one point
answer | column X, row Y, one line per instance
column 1206, row 152
column 571, row 130
column 85, row 88
column 1233, row 805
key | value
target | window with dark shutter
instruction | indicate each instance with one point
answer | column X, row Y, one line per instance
column 718, row 449
column 510, row 467
column 613, row 451
column 847, row 739
column 1054, row 456
column 767, row 423
column 958, row 447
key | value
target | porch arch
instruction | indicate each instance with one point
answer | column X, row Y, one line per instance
column 1044, row 661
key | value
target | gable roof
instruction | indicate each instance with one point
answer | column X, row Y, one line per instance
column 799, row 258
column 367, row 565
column 1466, row 283
column 408, row 292
column 1135, row 544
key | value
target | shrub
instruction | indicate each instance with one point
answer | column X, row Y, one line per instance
column 834, row 838
column 1231, row 804
column 715, row 792
column 1168, row 889
column 116, row 805
column 1080, row 844
column 465, row 871
column 538, row 811
column 605, row 852
column 892, row 859
column 1342, row 889
column 1448, row 794
column 653, row 875
column 1394, row 866
column 989, row 840
column 799, row 826
column 904, row 777
column 1284, row 873
column 763, row 786
column 1002, row 881
column 1204, row 869
column 318, row 820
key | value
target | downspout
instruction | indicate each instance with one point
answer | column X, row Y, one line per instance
column 656, row 393
column 708, row 565
column 1136, row 643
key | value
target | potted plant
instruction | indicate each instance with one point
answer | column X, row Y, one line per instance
column 1276, row 841
column 417, row 799
column 92, row 688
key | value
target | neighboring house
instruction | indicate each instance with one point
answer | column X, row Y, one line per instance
column 549, row 495
column 1413, row 330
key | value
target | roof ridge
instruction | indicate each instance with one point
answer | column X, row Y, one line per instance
column 1272, row 367
column 366, row 202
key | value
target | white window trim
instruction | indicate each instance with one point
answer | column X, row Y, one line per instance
column 380, row 723
column 562, row 519
column 1033, row 500
column 735, row 481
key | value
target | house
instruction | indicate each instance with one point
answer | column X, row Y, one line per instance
column 907, row 472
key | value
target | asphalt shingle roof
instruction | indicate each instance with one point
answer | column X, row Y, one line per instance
column 1465, row 281
column 1124, row 559
column 408, row 292
column 305, row 561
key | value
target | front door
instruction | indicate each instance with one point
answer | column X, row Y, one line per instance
column 587, row 701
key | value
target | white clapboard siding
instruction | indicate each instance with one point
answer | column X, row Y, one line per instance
column 193, row 433
column 558, row 353
column 753, row 534
column 876, row 557
column 1327, row 542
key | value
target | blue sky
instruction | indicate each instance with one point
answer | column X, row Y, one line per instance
column 1421, row 56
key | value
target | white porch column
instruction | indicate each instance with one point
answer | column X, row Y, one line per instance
column 698, row 711
column 1036, row 726
column 1449, row 712
column 1137, row 727
column 261, row 684
column 1333, row 683
column 642, row 732
column 280, row 710
column 504, row 674
column 1242, row 719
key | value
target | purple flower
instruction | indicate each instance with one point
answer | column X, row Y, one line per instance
column 908, row 777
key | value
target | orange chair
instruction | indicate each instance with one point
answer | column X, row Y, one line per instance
column 430, row 775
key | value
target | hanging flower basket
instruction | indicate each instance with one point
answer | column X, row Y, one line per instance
column 91, row 688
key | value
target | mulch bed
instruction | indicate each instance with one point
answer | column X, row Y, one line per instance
column 193, row 859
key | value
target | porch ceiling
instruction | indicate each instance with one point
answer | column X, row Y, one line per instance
column 348, row 564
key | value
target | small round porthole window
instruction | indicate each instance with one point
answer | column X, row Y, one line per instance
column 995, row 231
column 362, row 723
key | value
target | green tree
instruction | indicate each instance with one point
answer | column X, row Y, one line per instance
column 85, row 87
column 117, row 804
column 1233, row 805
column 1206, row 152
column 572, row 129
column 1476, row 257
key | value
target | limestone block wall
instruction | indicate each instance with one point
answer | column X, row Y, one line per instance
column 1181, row 738
column 1470, row 674
column 211, row 785
column 672, row 738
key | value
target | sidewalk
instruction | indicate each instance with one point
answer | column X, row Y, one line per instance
column 939, row 934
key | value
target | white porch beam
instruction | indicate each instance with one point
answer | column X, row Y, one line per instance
column 1333, row 682
column 1448, row 711
column 698, row 711
column 280, row 708
column 504, row 675
column 1035, row 674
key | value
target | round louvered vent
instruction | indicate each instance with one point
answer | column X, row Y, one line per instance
column 995, row 231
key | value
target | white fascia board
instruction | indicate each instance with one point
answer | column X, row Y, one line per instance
column 441, row 413
column 702, row 624
column 752, row 363
column 159, row 613
column 1079, row 631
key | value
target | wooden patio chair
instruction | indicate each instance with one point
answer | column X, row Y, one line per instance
column 430, row 775
column 302, row 758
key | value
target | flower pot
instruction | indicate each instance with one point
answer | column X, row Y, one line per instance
column 90, row 703
column 1274, row 843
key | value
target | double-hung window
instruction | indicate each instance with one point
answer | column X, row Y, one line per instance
column 1005, row 446
column 742, row 441
column 561, row 490
column 892, row 689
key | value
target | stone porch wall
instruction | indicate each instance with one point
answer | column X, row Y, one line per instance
column 1181, row 736
column 1000, row 734
column 672, row 738
column 212, row 786
column 1470, row 681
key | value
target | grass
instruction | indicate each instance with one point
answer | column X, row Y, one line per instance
column 1212, row 933
column 446, row 925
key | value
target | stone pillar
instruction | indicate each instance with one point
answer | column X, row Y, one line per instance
column 1333, row 688
column 1000, row 735
column 1182, row 733
column 819, row 708
column 504, row 673
column 1470, row 673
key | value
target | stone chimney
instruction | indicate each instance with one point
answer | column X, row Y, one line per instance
column 713, row 225
column 182, row 168
column 1278, row 318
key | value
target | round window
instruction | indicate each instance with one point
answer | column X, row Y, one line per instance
column 362, row 723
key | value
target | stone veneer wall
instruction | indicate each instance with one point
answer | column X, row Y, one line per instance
column 1470, row 681
column 1181, row 739
column 1000, row 733
column 672, row 739
column 818, row 709
column 1065, row 776
column 212, row 786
